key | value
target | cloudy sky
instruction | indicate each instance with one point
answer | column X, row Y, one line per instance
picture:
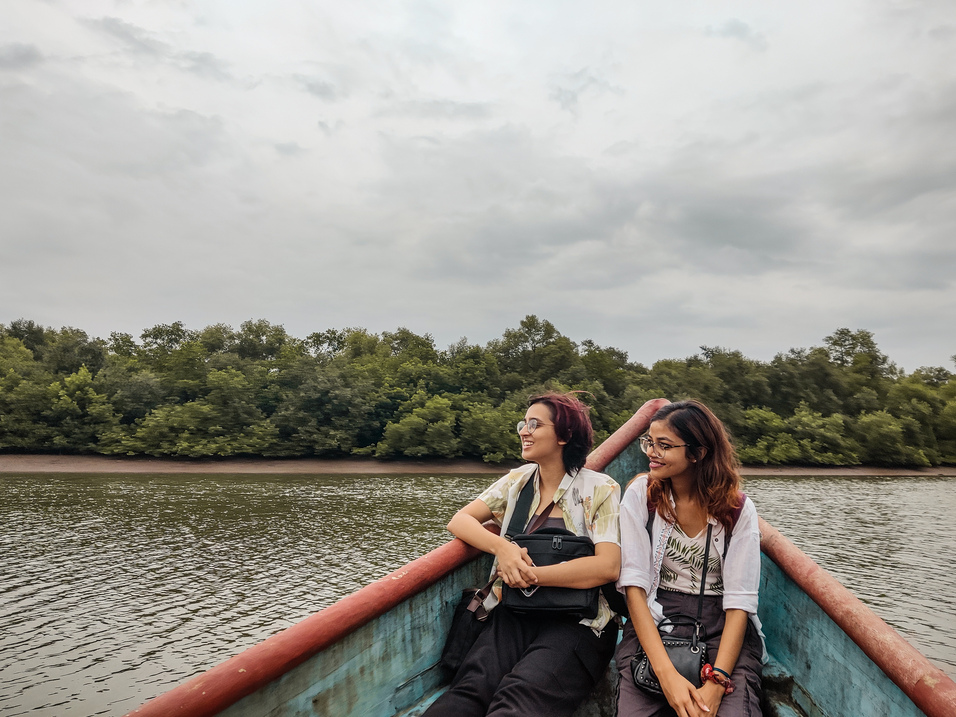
column 653, row 176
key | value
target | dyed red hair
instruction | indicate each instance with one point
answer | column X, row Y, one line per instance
column 572, row 424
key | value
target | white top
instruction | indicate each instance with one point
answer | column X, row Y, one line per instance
column 641, row 565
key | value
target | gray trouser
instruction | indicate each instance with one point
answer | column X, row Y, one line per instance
column 744, row 701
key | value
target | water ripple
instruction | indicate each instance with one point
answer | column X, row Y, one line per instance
column 116, row 588
column 887, row 539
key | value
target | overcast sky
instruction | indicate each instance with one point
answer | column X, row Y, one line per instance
column 653, row 176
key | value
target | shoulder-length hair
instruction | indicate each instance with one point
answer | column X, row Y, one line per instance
column 717, row 469
column 572, row 424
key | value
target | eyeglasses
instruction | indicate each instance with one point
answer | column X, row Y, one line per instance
column 531, row 424
column 659, row 448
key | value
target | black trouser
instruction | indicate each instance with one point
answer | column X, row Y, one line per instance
column 523, row 665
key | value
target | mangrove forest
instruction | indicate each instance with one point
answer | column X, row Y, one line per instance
column 257, row 391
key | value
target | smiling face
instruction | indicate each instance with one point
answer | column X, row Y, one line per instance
column 675, row 462
column 543, row 445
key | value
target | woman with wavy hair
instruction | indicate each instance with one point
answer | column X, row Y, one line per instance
column 690, row 494
column 525, row 663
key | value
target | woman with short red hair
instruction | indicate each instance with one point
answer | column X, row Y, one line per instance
column 522, row 663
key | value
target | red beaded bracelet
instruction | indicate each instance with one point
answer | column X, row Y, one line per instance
column 718, row 677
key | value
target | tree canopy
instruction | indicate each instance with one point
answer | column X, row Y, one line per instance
column 258, row 391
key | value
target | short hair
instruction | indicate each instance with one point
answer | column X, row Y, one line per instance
column 572, row 423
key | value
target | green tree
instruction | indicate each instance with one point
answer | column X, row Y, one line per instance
column 882, row 439
column 334, row 411
column 919, row 405
column 132, row 392
column 868, row 368
column 489, row 432
column 474, row 370
column 260, row 341
column 163, row 339
column 533, row 353
column 24, row 398
column 607, row 365
column 806, row 376
column 947, row 432
column 223, row 423
column 32, row 335
column 806, row 438
column 81, row 419
column 428, row 430
column 221, row 339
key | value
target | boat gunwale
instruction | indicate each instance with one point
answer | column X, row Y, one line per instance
column 225, row 684
column 930, row 689
column 214, row 690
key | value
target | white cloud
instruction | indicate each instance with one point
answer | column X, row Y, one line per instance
column 751, row 176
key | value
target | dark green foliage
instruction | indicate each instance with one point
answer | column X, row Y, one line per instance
column 259, row 391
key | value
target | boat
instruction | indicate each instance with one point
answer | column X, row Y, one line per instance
column 375, row 653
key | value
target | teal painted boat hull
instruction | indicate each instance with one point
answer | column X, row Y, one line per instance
column 815, row 668
column 375, row 653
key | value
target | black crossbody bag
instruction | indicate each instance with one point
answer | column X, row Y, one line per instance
column 687, row 654
column 549, row 546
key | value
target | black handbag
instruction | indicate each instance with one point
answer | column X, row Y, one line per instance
column 467, row 624
column 549, row 546
column 687, row 654
column 471, row 618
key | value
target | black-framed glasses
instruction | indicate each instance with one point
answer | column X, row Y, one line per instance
column 659, row 448
column 531, row 424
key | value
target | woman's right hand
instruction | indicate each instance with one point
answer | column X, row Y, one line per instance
column 681, row 695
column 515, row 566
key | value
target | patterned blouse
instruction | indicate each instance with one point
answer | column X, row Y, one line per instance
column 683, row 562
column 591, row 508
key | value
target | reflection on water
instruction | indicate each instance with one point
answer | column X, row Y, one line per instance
column 116, row 588
column 889, row 540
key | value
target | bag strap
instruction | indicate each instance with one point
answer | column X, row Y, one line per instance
column 523, row 505
column 476, row 604
column 703, row 576
column 517, row 525
column 734, row 517
column 540, row 519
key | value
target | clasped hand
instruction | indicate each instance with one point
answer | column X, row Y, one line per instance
column 515, row 567
column 689, row 701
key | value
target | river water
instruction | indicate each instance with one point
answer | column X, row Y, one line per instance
column 115, row 588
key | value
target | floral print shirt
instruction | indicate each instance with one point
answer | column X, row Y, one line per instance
column 590, row 508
